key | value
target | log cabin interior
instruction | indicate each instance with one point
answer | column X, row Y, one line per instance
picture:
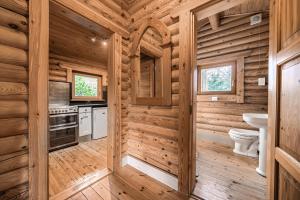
column 161, row 99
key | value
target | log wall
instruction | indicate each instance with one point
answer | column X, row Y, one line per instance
column 14, row 99
column 62, row 67
column 150, row 133
column 235, row 35
column 14, row 89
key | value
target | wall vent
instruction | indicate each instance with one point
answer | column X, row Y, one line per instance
column 255, row 19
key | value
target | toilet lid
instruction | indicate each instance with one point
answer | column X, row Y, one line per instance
column 244, row 132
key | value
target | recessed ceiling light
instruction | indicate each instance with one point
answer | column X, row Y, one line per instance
column 104, row 43
column 93, row 39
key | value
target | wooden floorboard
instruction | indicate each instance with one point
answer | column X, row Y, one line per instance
column 133, row 185
column 75, row 165
column 224, row 175
column 221, row 175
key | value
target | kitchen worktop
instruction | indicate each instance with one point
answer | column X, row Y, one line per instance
column 92, row 105
column 89, row 104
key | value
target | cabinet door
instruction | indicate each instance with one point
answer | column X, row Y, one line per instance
column 85, row 124
column 100, row 123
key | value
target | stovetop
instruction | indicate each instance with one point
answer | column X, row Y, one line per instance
column 61, row 109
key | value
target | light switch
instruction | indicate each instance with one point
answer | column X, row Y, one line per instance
column 262, row 81
column 214, row 98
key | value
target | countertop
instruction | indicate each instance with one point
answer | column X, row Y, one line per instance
column 93, row 105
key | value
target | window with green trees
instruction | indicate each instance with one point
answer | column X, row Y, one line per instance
column 217, row 78
column 86, row 86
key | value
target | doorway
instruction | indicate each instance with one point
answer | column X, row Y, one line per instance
column 232, row 75
column 39, row 63
column 78, row 106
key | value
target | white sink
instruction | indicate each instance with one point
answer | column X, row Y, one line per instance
column 259, row 120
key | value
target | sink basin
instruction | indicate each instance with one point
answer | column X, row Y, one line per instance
column 257, row 120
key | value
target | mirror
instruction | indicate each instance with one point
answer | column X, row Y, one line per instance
column 151, row 60
column 150, row 63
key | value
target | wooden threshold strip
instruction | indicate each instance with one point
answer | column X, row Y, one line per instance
column 80, row 186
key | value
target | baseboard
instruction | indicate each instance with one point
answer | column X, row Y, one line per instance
column 220, row 139
column 154, row 172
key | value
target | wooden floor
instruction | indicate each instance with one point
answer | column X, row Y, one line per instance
column 74, row 165
column 138, row 186
column 225, row 175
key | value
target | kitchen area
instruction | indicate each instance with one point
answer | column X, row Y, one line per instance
column 73, row 122
column 78, row 109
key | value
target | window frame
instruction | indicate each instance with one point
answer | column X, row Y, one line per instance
column 238, row 94
column 164, row 86
column 218, row 65
column 99, row 96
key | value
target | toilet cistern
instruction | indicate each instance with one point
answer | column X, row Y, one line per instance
column 260, row 121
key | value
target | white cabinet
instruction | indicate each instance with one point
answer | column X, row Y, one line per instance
column 99, row 122
column 85, row 121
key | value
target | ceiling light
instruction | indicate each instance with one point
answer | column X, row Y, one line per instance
column 104, row 43
column 93, row 39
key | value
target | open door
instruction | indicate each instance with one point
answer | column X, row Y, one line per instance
column 284, row 103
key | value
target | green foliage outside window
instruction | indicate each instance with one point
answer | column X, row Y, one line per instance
column 86, row 86
column 216, row 79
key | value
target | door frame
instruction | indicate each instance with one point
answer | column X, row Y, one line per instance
column 38, row 90
column 186, row 13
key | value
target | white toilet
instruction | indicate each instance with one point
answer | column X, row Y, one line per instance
column 245, row 141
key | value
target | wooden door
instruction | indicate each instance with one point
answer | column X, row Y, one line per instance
column 284, row 101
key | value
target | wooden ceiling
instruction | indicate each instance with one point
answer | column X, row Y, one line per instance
column 76, row 37
column 250, row 7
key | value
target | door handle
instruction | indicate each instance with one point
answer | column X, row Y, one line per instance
column 63, row 128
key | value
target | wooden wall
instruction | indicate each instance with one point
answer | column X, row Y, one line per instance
column 150, row 133
column 14, row 99
column 14, row 89
column 62, row 67
column 235, row 35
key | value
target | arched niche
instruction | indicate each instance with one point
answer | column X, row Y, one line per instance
column 150, row 57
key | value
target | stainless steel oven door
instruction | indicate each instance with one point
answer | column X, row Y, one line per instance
column 62, row 120
column 60, row 137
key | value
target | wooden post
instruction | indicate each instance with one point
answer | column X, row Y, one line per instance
column 114, row 103
column 185, row 23
column 194, row 91
column 38, row 98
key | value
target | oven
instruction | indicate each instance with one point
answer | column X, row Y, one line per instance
column 63, row 120
column 63, row 130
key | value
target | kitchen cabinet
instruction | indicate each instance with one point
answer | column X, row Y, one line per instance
column 85, row 121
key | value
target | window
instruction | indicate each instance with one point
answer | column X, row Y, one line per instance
column 217, row 78
column 86, row 87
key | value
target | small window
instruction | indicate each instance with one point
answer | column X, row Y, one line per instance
column 86, row 87
column 217, row 78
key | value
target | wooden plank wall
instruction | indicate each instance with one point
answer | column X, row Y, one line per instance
column 150, row 133
column 14, row 99
column 215, row 119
